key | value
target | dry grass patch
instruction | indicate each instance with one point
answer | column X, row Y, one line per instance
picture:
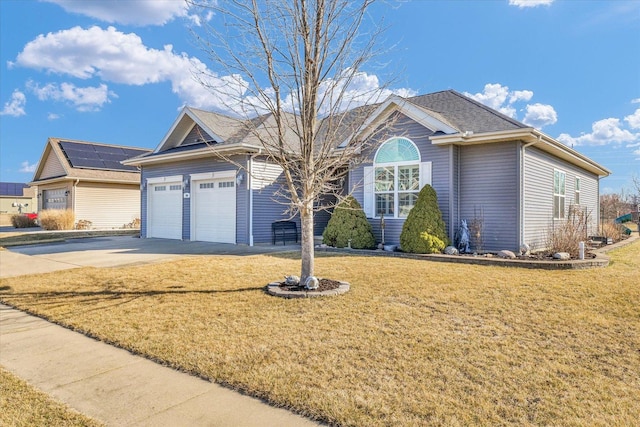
column 23, row 405
column 412, row 343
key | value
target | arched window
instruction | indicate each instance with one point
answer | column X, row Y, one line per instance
column 395, row 179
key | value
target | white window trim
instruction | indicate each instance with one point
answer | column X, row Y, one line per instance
column 563, row 215
column 369, row 193
column 577, row 191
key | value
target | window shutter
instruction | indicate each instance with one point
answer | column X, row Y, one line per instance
column 425, row 174
column 368, row 196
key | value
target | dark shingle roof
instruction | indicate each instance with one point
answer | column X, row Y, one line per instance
column 465, row 113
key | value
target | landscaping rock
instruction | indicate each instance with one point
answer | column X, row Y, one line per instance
column 525, row 249
column 451, row 250
column 506, row 254
column 562, row 256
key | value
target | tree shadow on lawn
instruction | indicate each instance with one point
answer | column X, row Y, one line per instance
column 35, row 299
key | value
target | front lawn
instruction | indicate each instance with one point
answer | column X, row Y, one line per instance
column 413, row 343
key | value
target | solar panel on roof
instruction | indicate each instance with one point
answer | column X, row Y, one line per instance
column 91, row 156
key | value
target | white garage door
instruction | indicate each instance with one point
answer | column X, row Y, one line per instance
column 54, row 199
column 214, row 210
column 164, row 210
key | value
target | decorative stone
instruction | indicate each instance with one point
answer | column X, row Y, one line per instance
column 450, row 250
column 292, row 280
column 311, row 283
column 506, row 254
column 562, row 256
column 390, row 248
column 276, row 290
column 525, row 249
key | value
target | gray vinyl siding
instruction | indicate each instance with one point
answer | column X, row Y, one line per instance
column 186, row 168
column 268, row 205
column 439, row 157
column 489, row 190
column 196, row 135
column 538, row 195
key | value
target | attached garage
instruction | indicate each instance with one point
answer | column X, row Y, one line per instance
column 213, row 207
column 164, row 207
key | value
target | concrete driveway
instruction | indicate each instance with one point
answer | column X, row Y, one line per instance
column 113, row 252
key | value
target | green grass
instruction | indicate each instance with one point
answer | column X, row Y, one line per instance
column 413, row 343
column 23, row 405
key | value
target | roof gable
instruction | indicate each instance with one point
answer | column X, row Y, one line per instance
column 74, row 159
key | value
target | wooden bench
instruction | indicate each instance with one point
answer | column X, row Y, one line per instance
column 285, row 231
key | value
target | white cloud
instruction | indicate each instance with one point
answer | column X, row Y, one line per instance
column 53, row 116
column 27, row 167
column 15, row 107
column 500, row 98
column 603, row 132
column 530, row 3
column 633, row 119
column 82, row 98
column 130, row 12
column 114, row 56
column 540, row 115
column 635, row 101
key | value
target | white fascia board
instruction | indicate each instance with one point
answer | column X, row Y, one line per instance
column 192, row 154
column 528, row 135
column 396, row 103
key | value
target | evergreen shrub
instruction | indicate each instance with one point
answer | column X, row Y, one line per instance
column 348, row 221
column 424, row 231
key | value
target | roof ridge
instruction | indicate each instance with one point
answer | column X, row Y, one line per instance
column 104, row 144
column 488, row 109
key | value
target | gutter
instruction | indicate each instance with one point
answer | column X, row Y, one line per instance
column 187, row 155
column 527, row 135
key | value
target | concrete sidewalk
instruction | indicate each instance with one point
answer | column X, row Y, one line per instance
column 118, row 388
column 111, row 384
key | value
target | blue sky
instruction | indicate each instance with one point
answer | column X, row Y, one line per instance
column 119, row 71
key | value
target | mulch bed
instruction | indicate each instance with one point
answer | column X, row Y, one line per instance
column 323, row 285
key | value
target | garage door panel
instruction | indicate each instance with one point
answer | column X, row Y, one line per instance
column 165, row 211
column 214, row 207
column 54, row 199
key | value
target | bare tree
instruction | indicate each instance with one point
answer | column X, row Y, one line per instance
column 291, row 67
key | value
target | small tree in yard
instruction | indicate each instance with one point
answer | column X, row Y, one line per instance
column 423, row 231
column 288, row 68
column 349, row 226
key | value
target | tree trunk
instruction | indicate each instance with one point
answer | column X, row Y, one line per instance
column 307, row 248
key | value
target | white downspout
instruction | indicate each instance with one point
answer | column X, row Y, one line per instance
column 73, row 198
column 522, row 191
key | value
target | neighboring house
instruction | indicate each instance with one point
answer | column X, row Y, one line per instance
column 482, row 164
column 88, row 178
column 16, row 198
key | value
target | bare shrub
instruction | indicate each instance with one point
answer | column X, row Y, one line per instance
column 612, row 230
column 135, row 223
column 566, row 235
column 23, row 221
column 83, row 224
column 57, row 219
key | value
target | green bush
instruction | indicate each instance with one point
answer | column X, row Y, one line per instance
column 348, row 222
column 424, row 231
